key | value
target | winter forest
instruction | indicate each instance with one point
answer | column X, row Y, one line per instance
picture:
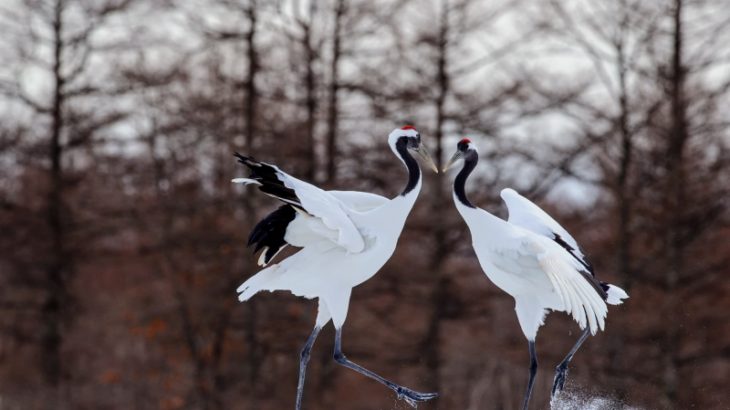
column 123, row 239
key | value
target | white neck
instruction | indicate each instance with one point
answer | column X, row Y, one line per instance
column 392, row 215
column 480, row 222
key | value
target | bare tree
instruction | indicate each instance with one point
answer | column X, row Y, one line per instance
column 67, row 29
column 250, row 12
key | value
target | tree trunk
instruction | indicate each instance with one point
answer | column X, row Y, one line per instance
column 56, row 289
column 251, row 106
column 251, row 93
column 624, row 241
column 310, row 96
column 624, row 205
column 333, row 114
column 675, row 191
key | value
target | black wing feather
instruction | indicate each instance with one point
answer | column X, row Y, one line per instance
column 270, row 182
column 583, row 261
column 269, row 232
column 598, row 286
column 589, row 273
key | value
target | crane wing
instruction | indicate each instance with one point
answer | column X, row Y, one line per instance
column 535, row 259
column 305, row 198
column 582, row 295
column 525, row 214
column 360, row 201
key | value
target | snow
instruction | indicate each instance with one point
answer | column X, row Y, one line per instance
column 580, row 399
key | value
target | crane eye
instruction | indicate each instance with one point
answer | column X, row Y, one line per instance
column 414, row 142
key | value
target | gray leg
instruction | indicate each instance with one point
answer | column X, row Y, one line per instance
column 561, row 371
column 533, row 372
column 304, row 359
column 410, row 396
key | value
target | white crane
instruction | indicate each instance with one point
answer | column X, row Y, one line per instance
column 345, row 236
column 531, row 257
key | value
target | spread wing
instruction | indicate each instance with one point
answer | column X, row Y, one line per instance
column 548, row 266
column 306, row 198
column 525, row 214
column 582, row 298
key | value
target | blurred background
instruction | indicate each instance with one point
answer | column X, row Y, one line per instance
column 123, row 240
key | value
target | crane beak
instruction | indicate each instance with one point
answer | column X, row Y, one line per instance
column 457, row 156
column 423, row 153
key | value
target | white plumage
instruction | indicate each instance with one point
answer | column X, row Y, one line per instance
column 524, row 213
column 339, row 252
column 323, row 207
column 534, row 259
column 345, row 237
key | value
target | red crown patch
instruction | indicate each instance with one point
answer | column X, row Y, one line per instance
column 465, row 141
column 408, row 127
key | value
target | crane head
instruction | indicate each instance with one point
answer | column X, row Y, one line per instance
column 412, row 138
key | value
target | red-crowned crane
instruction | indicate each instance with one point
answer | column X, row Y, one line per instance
column 345, row 236
column 535, row 260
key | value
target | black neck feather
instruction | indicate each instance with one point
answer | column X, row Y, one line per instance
column 414, row 172
column 470, row 162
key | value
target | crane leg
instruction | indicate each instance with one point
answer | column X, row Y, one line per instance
column 303, row 361
column 561, row 372
column 410, row 396
column 533, row 372
column 323, row 317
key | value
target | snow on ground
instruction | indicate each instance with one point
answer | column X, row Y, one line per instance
column 578, row 399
